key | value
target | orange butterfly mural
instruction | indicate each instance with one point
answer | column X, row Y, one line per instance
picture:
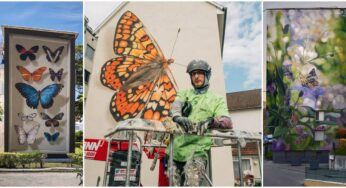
column 139, row 74
column 27, row 75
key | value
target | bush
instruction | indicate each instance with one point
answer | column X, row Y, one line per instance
column 340, row 133
column 11, row 160
column 77, row 156
column 341, row 147
column 8, row 160
column 79, row 136
column 78, row 144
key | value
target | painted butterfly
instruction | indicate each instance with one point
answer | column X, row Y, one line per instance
column 24, row 54
column 26, row 137
column 51, row 56
column 57, row 75
column 29, row 117
column 51, row 137
column 310, row 80
column 27, row 75
column 33, row 96
column 139, row 74
column 52, row 121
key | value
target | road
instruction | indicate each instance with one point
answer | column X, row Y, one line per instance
column 282, row 174
column 38, row 179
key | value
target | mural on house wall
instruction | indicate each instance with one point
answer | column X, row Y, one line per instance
column 306, row 80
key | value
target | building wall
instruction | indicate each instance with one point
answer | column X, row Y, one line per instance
column 247, row 120
column 198, row 38
column 89, row 40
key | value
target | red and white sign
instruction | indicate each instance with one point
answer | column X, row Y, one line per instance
column 95, row 149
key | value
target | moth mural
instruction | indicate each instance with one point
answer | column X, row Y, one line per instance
column 306, row 66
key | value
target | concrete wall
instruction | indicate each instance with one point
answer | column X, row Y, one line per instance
column 198, row 38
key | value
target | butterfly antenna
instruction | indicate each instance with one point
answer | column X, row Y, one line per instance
column 174, row 43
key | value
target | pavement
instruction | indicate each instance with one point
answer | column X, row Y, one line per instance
column 283, row 174
column 39, row 179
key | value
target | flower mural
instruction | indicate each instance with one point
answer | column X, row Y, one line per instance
column 306, row 65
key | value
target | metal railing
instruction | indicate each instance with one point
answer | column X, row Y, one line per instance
column 135, row 127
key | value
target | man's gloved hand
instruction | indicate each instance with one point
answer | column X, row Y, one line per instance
column 184, row 122
column 203, row 126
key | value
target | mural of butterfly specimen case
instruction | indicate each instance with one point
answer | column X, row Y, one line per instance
column 140, row 73
column 29, row 90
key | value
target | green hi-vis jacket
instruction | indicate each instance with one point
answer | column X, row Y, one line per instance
column 203, row 106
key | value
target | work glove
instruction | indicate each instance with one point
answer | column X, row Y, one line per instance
column 222, row 122
column 184, row 122
column 203, row 126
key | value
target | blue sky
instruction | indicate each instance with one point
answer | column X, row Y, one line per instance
column 65, row 16
column 242, row 55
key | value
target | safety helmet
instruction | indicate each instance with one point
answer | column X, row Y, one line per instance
column 199, row 64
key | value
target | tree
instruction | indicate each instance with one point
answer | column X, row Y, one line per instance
column 79, row 82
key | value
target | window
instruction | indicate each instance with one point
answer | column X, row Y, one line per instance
column 86, row 76
column 246, row 165
column 89, row 53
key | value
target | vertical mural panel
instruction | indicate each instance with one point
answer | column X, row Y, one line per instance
column 306, row 66
column 39, row 91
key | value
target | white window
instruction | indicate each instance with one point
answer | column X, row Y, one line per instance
column 246, row 165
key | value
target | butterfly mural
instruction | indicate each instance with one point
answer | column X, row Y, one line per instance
column 52, row 122
column 28, row 137
column 51, row 56
column 57, row 75
column 139, row 74
column 27, row 75
column 34, row 97
column 25, row 54
column 29, row 117
column 310, row 80
column 51, row 137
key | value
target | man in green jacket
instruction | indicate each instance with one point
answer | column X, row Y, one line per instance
column 190, row 152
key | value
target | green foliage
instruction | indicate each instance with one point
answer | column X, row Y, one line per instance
column 79, row 108
column 77, row 156
column 79, row 136
column 8, row 160
column 332, row 53
column 79, row 82
column 269, row 155
column 341, row 148
column 11, row 160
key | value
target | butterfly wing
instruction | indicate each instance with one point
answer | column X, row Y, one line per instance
column 59, row 74
column 24, row 72
column 128, row 104
column 133, row 39
column 116, row 72
column 55, row 136
column 29, row 93
column 52, row 74
column 48, row 53
column 48, row 119
column 22, row 136
column 31, row 52
column 57, row 53
column 160, row 101
column 59, row 116
column 48, row 93
column 48, row 136
column 53, row 57
column 31, row 135
column 37, row 74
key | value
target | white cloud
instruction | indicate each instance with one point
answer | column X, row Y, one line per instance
column 243, row 39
